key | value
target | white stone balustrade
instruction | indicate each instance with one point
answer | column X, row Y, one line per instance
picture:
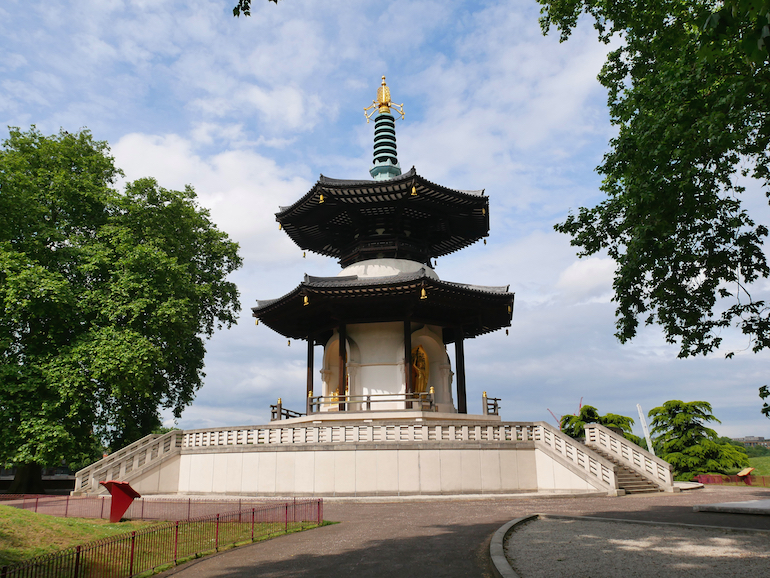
column 130, row 460
column 579, row 456
column 631, row 455
column 444, row 435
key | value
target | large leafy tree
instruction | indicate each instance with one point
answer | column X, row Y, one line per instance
column 689, row 95
column 574, row 425
column 106, row 298
column 683, row 439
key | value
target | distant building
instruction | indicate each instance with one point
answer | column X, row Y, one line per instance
column 753, row 441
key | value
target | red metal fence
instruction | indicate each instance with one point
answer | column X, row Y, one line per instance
column 136, row 552
column 722, row 479
column 140, row 509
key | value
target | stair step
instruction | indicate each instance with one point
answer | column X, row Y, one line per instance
column 629, row 480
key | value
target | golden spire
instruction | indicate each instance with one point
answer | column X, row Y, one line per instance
column 383, row 103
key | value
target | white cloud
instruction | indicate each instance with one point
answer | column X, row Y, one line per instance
column 241, row 188
column 588, row 280
column 249, row 111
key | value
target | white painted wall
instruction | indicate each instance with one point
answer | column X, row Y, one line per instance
column 363, row 471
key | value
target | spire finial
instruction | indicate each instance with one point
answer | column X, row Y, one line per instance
column 383, row 104
column 385, row 160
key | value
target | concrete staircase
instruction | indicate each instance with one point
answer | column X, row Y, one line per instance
column 629, row 480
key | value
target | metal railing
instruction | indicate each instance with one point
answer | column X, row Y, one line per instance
column 278, row 412
column 140, row 509
column 763, row 481
column 168, row 543
column 418, row 401
column 490, row 405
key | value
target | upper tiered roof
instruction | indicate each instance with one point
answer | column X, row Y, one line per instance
column 406, row 217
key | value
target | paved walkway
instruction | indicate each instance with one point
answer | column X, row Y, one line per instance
column 443, row 538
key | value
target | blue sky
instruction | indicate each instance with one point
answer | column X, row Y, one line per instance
column 251, row 111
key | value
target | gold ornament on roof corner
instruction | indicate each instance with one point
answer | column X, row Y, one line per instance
column 305, row 301
column 383, row 104
column 320, row 199
column 414, row 191
column 423, row 294
column 256, row 322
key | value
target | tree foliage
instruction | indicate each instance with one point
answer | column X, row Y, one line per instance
column 574, row 425
column 106, row 299
column 244, row 7
column 742, row 22
column 692, row 117
column 683, row 440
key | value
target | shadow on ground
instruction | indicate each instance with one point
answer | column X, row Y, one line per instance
column 452, row 550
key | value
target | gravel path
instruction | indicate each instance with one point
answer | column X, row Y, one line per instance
column 550, row 547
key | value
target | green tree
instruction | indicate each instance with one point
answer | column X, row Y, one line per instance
column 106, row 299
column 746, row 22
column 691, row 113
column 574, row 425
column 764, row 393
column 683, row 440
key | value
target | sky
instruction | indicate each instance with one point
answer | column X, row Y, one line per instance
column 250, row 111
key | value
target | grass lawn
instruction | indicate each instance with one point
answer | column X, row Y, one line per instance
column 24, row 534
column 762, row 466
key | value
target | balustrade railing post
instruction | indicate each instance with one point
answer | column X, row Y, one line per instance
column 286, row 517
column 67, row 506
column 4, row 572
column 37, row 498
column 253, row 512
column 216, row 539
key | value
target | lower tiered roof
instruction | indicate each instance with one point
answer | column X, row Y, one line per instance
column 319, row 304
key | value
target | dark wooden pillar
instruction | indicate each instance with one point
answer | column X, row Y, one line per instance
column 408, row 356
column 310, row 362
column 343, row 361
column 408, row 361
column 462, row 403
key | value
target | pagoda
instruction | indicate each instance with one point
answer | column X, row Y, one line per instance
column 389, row 308
column 383, row 420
